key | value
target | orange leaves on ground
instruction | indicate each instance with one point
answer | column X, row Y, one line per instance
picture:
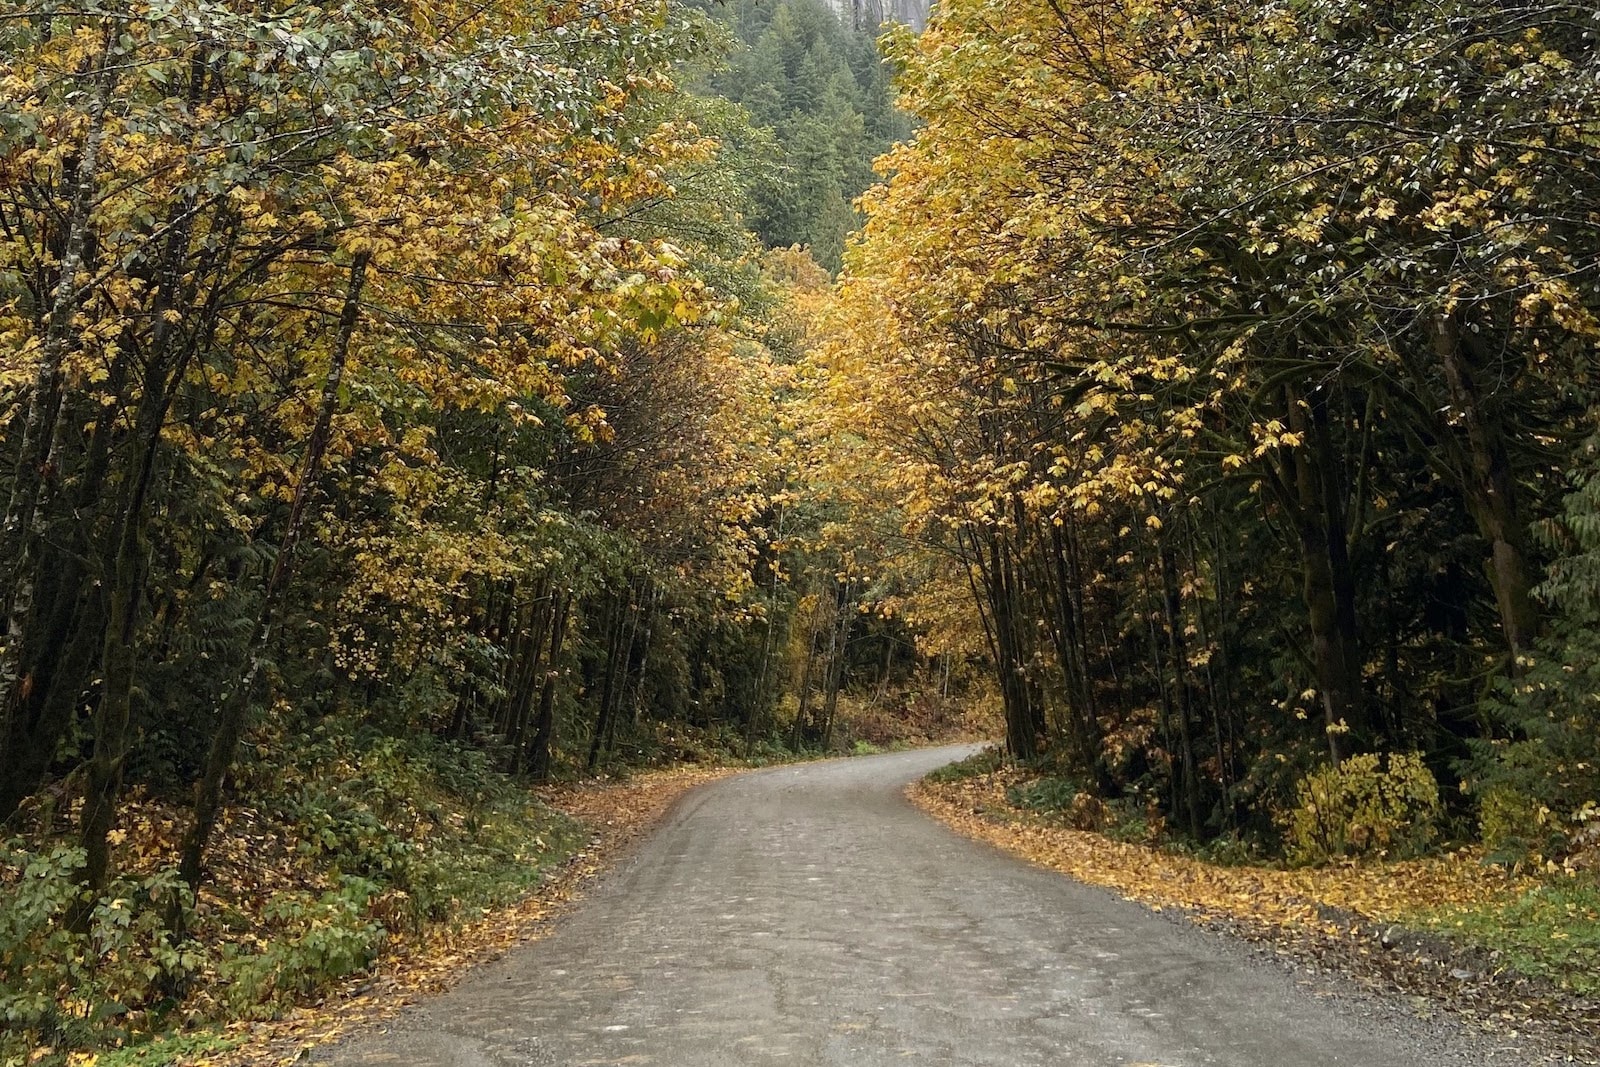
column 1381, row 893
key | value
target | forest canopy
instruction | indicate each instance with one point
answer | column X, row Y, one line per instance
column 1243, row 355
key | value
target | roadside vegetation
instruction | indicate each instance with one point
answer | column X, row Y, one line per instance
column 407, row 406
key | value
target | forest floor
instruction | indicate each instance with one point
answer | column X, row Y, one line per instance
column 1509, row 953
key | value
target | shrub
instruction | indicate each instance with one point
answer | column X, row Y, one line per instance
column 1367, row 805
column 1539, row 775
column 326, row 937
column 1135, row 821
column 88, row 984
column 975, row 766
column 1515, row 826
column 1063, row 798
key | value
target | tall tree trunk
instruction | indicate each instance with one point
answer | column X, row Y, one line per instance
column 34, row 473
column 1022, row 716
column 802, row 714
column 129, row 568
column 1324, row 557
column 652, row 604
column 1063, row 594
column 838, row 646
column 528, row 676
column 34, row 709
column 1490, row 489
column 234, row 706
column 540, row 747
column 609, row 685
column 1183, row 703
column 128, row 571
column 758, row 708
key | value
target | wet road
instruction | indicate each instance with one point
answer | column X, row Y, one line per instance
column 809, row 915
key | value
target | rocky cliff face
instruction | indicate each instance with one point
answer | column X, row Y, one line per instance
column 869, row 14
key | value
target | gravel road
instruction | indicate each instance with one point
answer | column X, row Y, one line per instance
column 808, row 915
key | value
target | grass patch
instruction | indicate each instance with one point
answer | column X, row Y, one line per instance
column 976, row 766
column 1551, row 931
column 166, row 1049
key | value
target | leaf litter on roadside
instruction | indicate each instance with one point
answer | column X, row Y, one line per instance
column 1357, row 920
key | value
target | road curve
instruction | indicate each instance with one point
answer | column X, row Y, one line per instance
column 808, row 915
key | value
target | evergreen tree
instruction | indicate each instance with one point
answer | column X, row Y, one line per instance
column 821, row 89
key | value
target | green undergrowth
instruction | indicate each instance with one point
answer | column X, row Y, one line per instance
column 975, row 766
column 653, row 743
column 1551, row 931
column 357, row 841
column 165, row 1049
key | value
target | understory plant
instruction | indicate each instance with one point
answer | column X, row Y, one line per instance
column 1370, row 804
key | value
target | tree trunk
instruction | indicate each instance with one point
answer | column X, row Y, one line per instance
column 1325, row 575
column 128, row 572
column 653, row 603
column 34, row 473
column 1183, row 704
column 234, row 707
column 838, row 645
column 1022, row 726
column 35, row 668
column 528, row 676
column 802, row 714
column 539, row 749
column 1490, row 489
column 608, row 689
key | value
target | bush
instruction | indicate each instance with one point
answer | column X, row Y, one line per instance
column 1134, row 821
column 1063, row 798
column 976, row 766
column 1367, row 805
column 1516, row 826
column 326, row 937
column 87, row 984
column 1535, row 780
column 1539, row 776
